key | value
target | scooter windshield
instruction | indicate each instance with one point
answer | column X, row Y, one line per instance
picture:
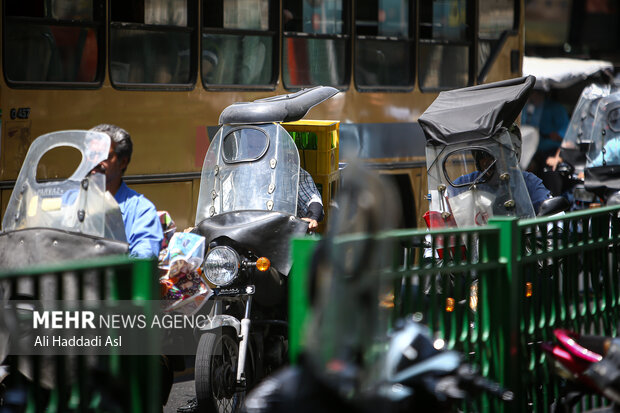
column 581, row 122
column 471, row 182
column 252, row 167
column 604, row 149
column 78, row 204
column 577, row 138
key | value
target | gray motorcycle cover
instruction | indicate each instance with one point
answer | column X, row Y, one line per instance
column 476, row 112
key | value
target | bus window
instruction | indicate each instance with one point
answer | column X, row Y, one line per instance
column 316, row 43
column 496, row 17
column 383, row 46
column 239, row 43
column 51, row 43
column 445, row 43
column 151, row 44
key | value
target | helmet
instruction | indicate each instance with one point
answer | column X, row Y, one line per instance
column 515, row 137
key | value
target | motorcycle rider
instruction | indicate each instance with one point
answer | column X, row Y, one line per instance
column 485, row 164
column 140, row 218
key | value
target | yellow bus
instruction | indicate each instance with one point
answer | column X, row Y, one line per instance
column 165, row 69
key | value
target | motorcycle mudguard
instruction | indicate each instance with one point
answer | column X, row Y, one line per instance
column 41, row 246
column 219, row 321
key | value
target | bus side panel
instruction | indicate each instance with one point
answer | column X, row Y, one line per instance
column 501, row 67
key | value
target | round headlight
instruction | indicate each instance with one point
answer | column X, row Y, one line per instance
column 221, row 265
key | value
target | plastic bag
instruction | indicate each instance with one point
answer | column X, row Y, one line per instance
column 182, row 287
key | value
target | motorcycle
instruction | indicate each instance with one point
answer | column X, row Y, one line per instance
column 53, row 221
column 569, row 170
column 472, row 166
column 602, row 169
column 590, row 364
column 472, row 156
column 247, row 213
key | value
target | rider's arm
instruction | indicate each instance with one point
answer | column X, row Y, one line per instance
column 536, row 189
column 142, row 225
column 145, row 239
column 309, row 202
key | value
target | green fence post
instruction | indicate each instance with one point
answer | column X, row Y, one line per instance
column 302, row 250
column 509, row 330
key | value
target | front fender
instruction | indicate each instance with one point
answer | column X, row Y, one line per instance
column 219, row 321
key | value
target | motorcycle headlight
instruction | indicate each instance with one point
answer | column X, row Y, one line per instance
column 221, row 265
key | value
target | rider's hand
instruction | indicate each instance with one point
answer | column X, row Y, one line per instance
column 553, row 161
column 312, row 223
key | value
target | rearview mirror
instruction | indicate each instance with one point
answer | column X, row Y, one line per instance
column 553, row 206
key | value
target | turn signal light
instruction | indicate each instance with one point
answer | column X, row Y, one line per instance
column 263, row 264
column 528, row 290
column 449, row 304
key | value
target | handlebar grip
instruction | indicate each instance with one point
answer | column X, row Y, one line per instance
column 473, row 382
column 597, row 344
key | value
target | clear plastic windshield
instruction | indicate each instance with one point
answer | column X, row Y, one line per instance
column 605, row 146
column 471, row 182
column 249, row 168
column 78, row 204
column 582, row 120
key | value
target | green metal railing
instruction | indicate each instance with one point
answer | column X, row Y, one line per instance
column 79, row 383
column 523, row 278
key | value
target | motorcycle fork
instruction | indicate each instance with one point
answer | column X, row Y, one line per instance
column 243, row 345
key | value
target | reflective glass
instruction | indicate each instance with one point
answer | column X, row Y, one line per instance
column 496, row 16
column 312, row 62
column 157, row 12
column 244, row 145
column 229, row 59
column 246, row 14
column 381, row 63
column 148, row 56
column 443, row 66
column 443, row 19
column 50, row 53
column 313, row 16
column 383, row 50
column 382, row 18
column 614, row 120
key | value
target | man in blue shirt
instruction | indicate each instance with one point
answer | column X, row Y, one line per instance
column 142, row 225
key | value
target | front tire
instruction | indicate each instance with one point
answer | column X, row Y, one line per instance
column 216, row 372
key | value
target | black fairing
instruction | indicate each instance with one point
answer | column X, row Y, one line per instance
column 266, row 233
column 602, row 180
column 36, row 246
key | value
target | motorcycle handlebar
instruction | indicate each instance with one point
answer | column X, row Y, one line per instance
column 474, row 383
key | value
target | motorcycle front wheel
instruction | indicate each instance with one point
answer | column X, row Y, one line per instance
column 216, row 372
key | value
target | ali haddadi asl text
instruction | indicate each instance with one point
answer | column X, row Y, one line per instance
column 81, row 341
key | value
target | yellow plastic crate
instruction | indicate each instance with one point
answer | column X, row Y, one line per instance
column 318, row 144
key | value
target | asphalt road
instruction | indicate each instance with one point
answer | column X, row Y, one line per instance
column 182, row 390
